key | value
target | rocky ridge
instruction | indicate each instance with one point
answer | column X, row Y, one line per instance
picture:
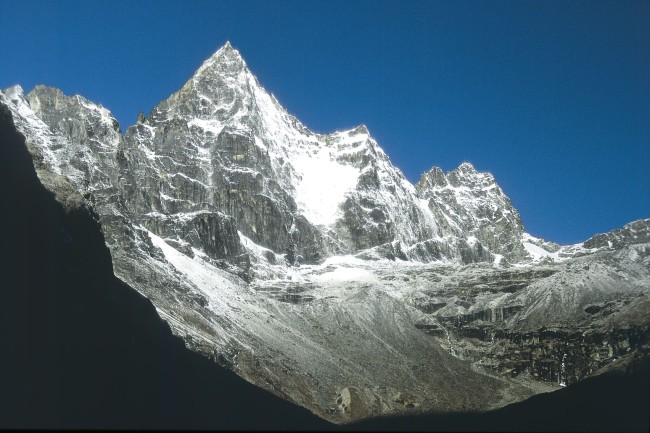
column 354, row 298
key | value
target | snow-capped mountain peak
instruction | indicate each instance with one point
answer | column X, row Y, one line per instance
column 311, row 266
column 225, row 60
column 222, row 143
column 468, row 202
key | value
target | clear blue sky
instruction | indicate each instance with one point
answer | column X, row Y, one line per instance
column 552, row 97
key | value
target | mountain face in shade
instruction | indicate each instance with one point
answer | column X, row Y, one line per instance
column 311, row 267
column 81, row 349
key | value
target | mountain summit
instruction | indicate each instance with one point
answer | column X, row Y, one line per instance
column 339, row 191
column 309, row 265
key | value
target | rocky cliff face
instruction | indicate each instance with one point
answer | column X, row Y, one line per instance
column 637, row 232
column 222, row 146
column 81, row 349
column 473, row 209
column 310, row 266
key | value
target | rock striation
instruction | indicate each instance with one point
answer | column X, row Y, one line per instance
column 309, row 265
column 81, row 349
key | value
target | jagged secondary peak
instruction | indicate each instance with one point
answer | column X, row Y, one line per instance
column 435, row 177
column 466, row 174
column 74, row 137
column 357, row 137
column 467, row 166
column 73, row 115
column 14, row 93
column 636, row 232
column 471, row 205
column 361, row 129
column 349, row 138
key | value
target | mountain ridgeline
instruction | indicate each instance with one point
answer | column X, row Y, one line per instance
column 81, row 349
column 225, row 157
column 310, row 266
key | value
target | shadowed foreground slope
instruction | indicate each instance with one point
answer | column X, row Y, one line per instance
column 611, row 402
column 81, row 349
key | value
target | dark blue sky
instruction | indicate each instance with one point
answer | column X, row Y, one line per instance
column 552, row 97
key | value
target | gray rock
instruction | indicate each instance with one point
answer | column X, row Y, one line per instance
column 637, row 232
column 353, row 292
column 470, row 206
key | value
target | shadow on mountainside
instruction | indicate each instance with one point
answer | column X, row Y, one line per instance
column 611, row 402
column 81, row 349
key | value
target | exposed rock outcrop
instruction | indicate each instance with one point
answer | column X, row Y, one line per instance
column 81, row 349
column 311, row 267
